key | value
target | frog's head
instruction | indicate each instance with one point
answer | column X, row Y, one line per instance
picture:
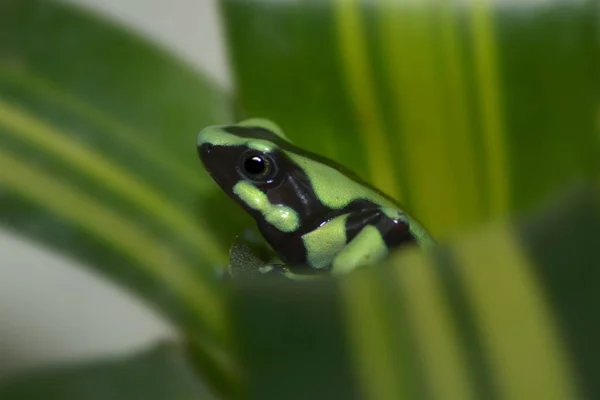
column 279, row 184
column 242, row 152
column 248, row 162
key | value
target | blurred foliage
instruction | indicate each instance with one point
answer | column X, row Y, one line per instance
column 507, row 312
column 464, row 111
column 97, row 157
column 155, row 374
column 467, row 112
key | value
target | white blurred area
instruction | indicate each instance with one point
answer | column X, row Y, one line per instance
column 53, row 310
column 190, row 29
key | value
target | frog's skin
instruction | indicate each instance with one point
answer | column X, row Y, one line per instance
column 316, row 215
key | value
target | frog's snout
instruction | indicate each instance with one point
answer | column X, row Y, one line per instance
column 204, row 151
column 204, row 142
column 206, row 148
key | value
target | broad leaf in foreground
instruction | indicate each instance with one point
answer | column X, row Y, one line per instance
column 509, row 311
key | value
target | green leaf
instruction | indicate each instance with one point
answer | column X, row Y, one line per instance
column 161, row 373
column 98, row 158
column 463, row 111
column 509, row 311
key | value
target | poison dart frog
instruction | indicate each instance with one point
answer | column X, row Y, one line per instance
column 315, row 214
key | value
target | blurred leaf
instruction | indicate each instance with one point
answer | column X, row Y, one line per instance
column 506, row 312
column 162, row 373
column 97, row 157
column 463, row 111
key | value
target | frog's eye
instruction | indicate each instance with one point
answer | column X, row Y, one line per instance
column 257, row 166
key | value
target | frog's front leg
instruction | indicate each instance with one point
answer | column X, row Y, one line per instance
column 370, row 235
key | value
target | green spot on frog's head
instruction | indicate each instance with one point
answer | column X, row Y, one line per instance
column 251, row 132
column 265, row 124
column 278, row 215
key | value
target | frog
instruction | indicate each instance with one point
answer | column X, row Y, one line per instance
column 318, row 216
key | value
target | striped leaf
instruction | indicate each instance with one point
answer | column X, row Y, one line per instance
column 97, row 158
column 465, row 111
column 507, row 312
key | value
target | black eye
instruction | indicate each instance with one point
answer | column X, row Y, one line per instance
column 257, row 166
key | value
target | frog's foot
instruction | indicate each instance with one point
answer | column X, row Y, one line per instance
column 282, row 269
column 272, row 268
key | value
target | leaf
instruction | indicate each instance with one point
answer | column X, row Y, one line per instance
column 156, row 374
column 463, row 111
column 509, row 311
column 97, row 158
